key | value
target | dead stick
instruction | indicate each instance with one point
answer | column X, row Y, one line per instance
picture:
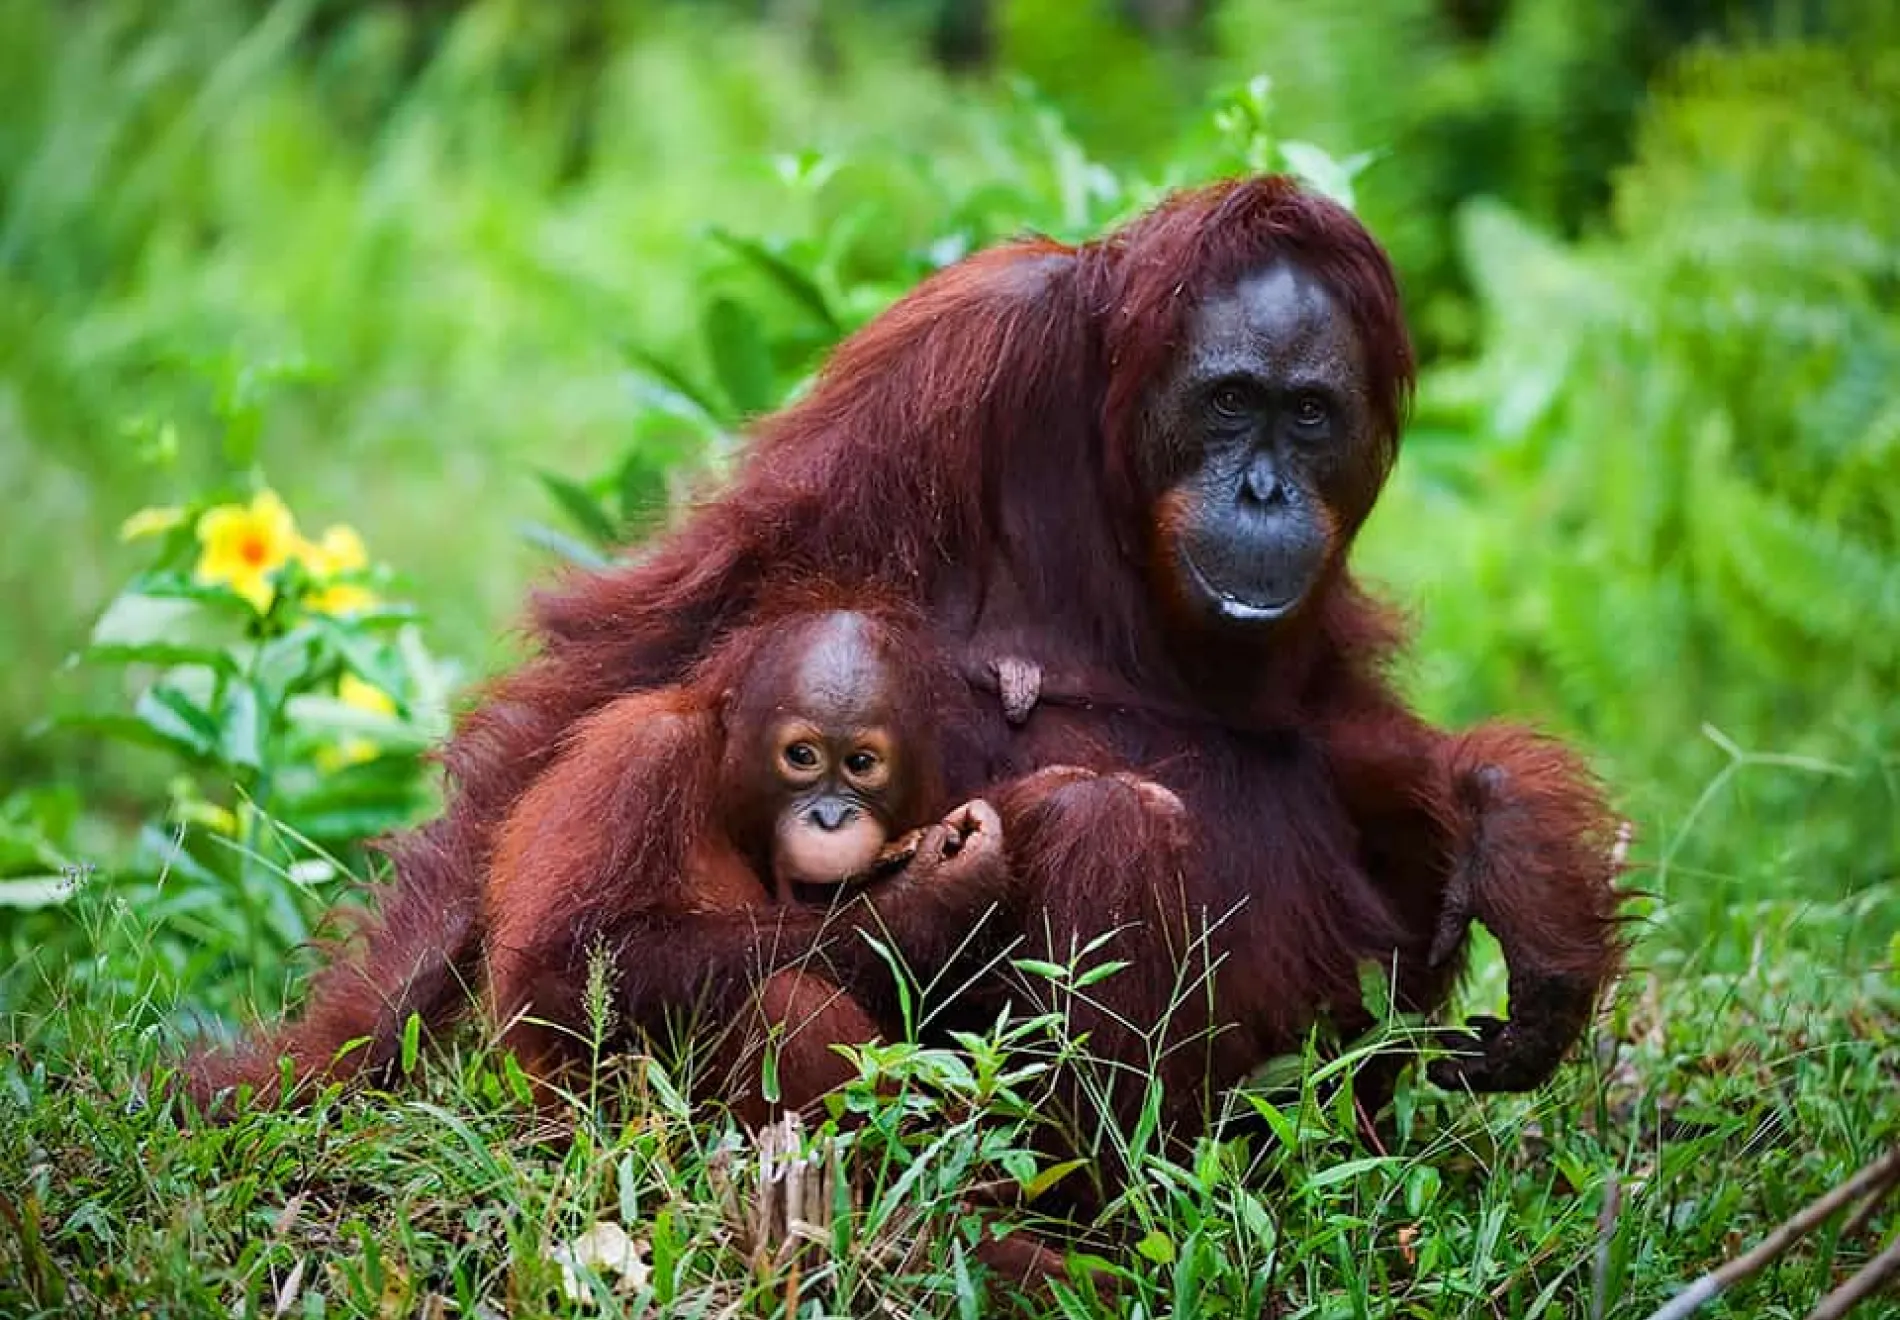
column 1861, row 1286
column 1864, row 1212
column 1716, row 1281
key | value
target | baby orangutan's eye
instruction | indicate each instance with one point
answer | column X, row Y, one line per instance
column 861, row 763
column 801, row 756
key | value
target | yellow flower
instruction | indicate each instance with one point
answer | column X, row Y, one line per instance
column 245, row 544
column 339, row 550
column 343, row 598
column 353, row 691
column 150, row 522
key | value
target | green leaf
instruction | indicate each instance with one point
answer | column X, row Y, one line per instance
column 330, row 717
column 795, row 283
column 1376, row 990
column 768, row 1075
column 1346, row 1171
column 1421, row 1189
column 167, row 629
column 1317, row 168
column 1157, row 1247
column 241, row 725
column 663, row 1089
column 588, row 513
column 641, row 487
column 681, row 386
column 1018, row 1164
column 370, row 659
column 741, row 360
column 123, row 728
column 162, row 852
column 656, row 397
column 576, row 552
column 518, row 1084
column 411, row 1042
column 1049, row 1177
column 1047, row 970
column 27, row 892
column 1285, row 1130
column 1100, row 972
column 175, row 717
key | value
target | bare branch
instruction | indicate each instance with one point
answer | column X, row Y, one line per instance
column 1777, row 1243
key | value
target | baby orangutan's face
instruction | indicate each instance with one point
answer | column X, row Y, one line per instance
column 837, row 785
column 827, row 754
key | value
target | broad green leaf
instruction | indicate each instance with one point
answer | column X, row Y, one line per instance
column 663, row 1089
column 741, row 360
column 123, row 728
column 167, row 629
column 658, row 397
column 174, row 716
column 1285, row 1130
column 1018, row 1164
column 27, row 892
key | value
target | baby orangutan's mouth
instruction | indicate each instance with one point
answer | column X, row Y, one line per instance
column 823, row 893
column 826, row 893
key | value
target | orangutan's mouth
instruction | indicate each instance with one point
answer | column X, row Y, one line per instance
column 1239, row 609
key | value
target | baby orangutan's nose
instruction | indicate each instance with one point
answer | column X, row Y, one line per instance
column 832, row 815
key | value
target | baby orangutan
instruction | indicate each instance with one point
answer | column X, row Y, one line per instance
column 818, row 766
column 700, row 836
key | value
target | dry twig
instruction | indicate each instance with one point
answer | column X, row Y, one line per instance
column 1861, row 1286
column 1777, row 1243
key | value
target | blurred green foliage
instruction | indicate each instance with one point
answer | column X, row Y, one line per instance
column 291, row 702
column 548, row 260
column 1667, row 495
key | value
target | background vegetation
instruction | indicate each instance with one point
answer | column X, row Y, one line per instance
column 495, row 284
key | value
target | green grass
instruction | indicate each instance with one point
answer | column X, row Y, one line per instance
column 1733, row 1080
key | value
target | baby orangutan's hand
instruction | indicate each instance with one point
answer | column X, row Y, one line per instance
column 968, row 839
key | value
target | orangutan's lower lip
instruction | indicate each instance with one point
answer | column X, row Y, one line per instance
column 1230, row 606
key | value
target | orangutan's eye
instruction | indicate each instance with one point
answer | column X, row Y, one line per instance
column 861, row 763
column 1229, row 401
column 1309, row 412
column 802, row 756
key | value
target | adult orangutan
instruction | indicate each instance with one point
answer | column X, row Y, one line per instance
column 1138, row 464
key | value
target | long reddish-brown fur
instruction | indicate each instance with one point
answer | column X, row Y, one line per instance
column 635, row 843
column 974, row 450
